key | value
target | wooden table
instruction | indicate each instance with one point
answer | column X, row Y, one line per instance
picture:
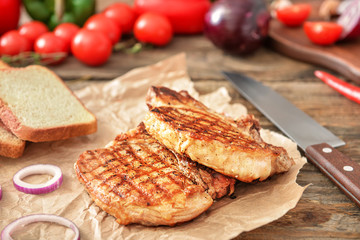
column 323, row 212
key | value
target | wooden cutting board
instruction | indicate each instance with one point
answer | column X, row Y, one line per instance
column 342, row 57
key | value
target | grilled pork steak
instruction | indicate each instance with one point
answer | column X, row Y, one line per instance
column 233, row 148
column 138, row 180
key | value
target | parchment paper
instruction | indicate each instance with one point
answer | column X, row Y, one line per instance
column 119, row 105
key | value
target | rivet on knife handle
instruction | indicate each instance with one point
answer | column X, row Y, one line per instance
column 344, row 172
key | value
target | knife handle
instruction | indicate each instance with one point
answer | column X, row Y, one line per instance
column 344, row 172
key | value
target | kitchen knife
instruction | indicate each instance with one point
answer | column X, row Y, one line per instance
column 317, row 142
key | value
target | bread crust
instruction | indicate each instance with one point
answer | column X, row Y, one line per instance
column 10, row 145
column 4, row 65
column 11, row 150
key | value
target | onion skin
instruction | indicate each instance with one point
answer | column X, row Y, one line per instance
column 237, row 26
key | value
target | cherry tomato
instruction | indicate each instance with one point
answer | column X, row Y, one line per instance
column 12, row 43
column 323, row 33
column 9, row 15
column 67, row 32
column 294, row 15
column 123, row 15
column 91, row 47
column 153, row 28
column 32, row 30
column 103, row 24
column 52, row 48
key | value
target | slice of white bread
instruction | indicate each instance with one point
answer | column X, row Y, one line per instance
column 36, row 105
column 10, row 145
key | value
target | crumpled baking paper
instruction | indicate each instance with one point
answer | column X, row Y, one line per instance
column 119, row 105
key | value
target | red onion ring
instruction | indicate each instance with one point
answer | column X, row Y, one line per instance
column 20, row 222
column 47, row 187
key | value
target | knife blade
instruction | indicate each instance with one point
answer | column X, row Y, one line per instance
column 317, row 142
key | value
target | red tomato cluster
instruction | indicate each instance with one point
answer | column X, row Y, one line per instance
column 35, row 36
column 93, row 43
column 318, row 32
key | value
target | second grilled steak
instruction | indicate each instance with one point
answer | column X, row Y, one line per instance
column 233, row 148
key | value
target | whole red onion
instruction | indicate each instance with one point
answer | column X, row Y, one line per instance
column 237, row 26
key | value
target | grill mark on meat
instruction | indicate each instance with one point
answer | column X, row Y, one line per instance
column 162, row 95
column 203, row 126
column 168, row 170
column 161, row 181
column 163, row 166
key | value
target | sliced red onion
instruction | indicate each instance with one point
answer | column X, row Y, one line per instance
column 47, row 187
column 21, row 222
column 0, row 192
column 350, row 20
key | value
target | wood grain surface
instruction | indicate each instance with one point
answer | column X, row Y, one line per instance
column 323, row 212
